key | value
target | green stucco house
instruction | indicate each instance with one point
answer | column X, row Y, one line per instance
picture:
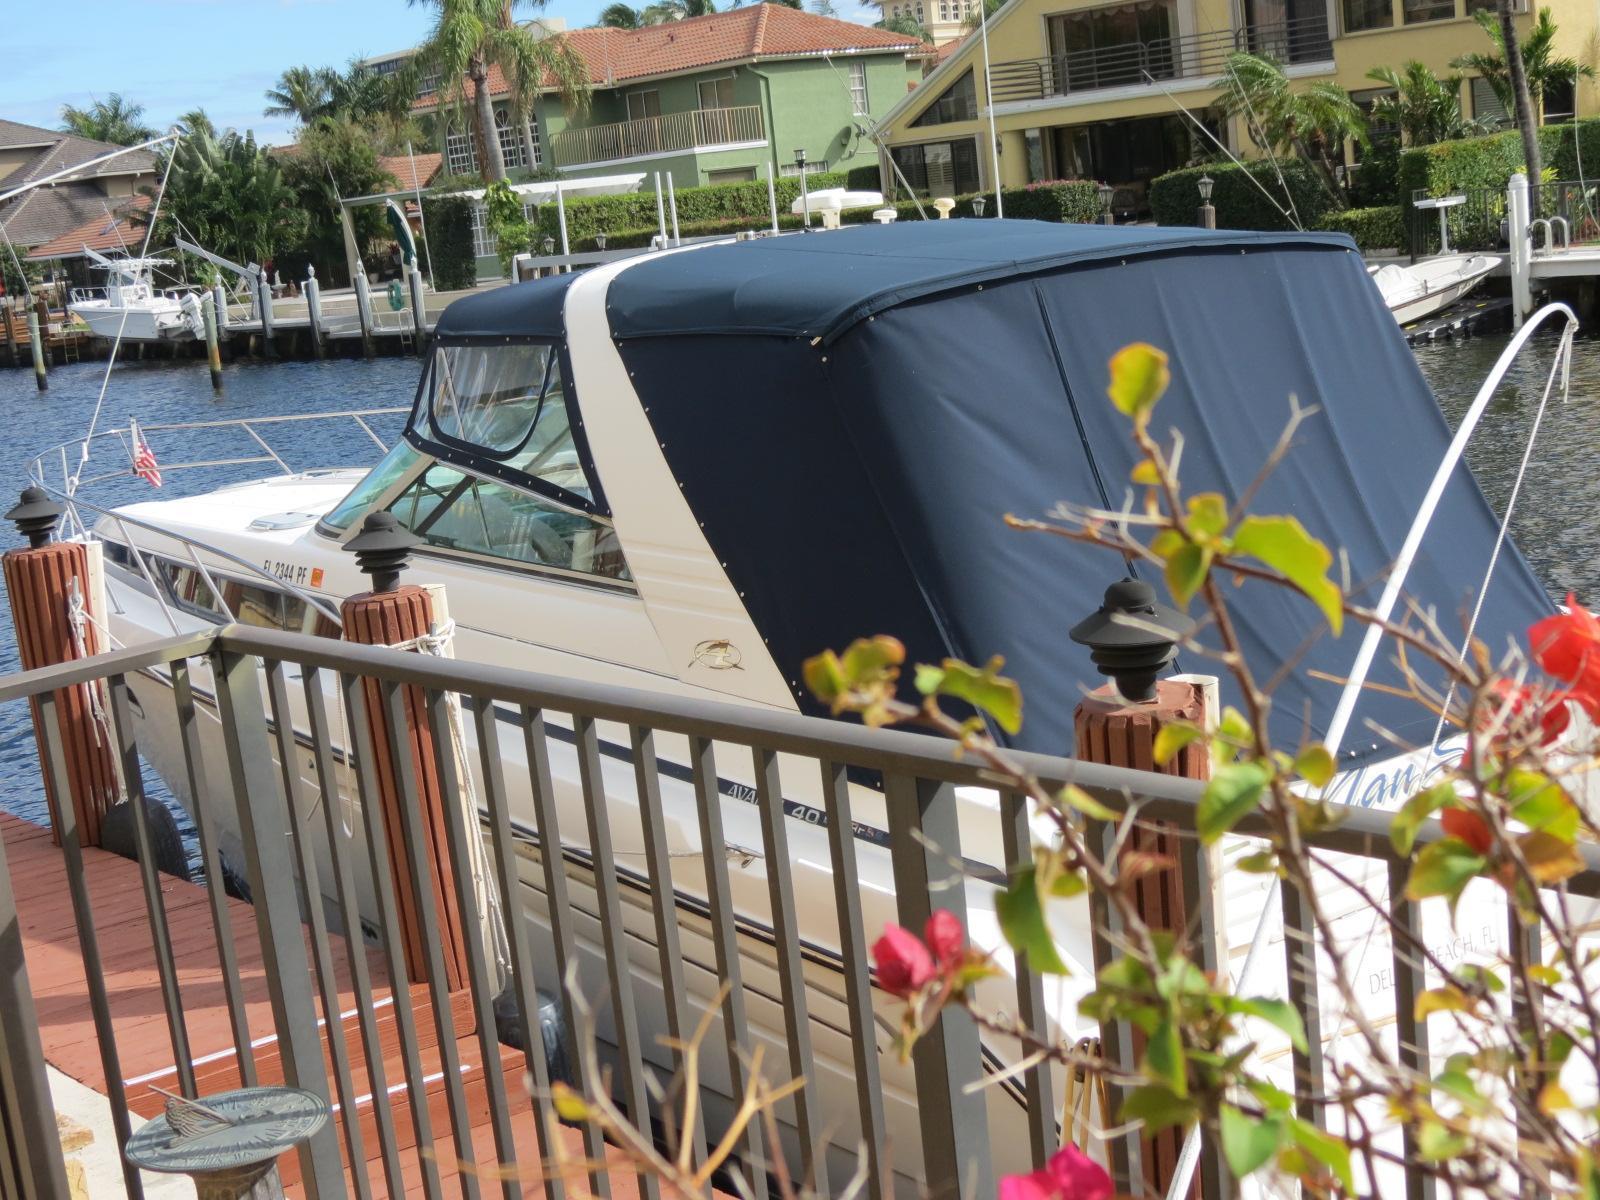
column 709, row 99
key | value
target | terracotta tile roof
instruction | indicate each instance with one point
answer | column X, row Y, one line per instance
column 754, row 31
column 949, row 48
column 122, row 229
column 400, row 166
column 47, row 212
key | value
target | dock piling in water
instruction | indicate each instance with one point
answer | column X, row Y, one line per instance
column 208, row 314
column 419, row 307
column 364, row 308
column 36, row 344
column 314, row 310
column 11, row 335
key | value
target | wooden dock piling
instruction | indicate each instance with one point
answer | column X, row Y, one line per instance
column 213, row 350
column 314, row 312
column 364, row 309
column 11, row 335
column 36, row 344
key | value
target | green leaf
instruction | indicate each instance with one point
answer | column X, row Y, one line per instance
column 1208, row 515
column 1021, row 914
column 1075, row 797
column 1234, row 727
column 1539, row 803
column 1186, row 571
column 1275, row 1012
column 1173, row 738
column 1234, row 791
column 1435, row 1143
column 1416, row 810
column 1158, row 1108
column 1328, row 1150
column 1248, row 1142
column 1315, row 765
column 1164, row 1061
column 1442, row 999
column 1139, row 375
column 869, row 659
column 984, row 688
column 1285, row 546
column 1263, row 862
column 1549, row 859
column 1144, row 471
column 1444, row 868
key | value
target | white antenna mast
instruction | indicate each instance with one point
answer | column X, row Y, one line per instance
column 988, row 97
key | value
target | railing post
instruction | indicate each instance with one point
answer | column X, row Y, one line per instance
column 42, row 580
column 924, row 843
column 264, row 828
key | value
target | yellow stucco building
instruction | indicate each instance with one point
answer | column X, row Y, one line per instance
column 1084, row 89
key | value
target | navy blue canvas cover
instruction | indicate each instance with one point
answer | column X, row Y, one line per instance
column 523, row 310
column 853, row 470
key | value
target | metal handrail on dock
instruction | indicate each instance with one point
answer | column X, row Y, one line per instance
column 241, row 678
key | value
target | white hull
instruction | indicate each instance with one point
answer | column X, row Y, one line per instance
column 162, row 322
column 1419, row 291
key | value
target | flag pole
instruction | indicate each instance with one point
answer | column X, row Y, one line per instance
column 988, row 95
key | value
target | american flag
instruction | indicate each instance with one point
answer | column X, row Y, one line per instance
column 144, row 461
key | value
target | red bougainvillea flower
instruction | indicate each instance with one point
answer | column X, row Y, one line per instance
column 1469, row 827
column 1522, row 703
column 1069, row 1175
column 1567, row 646
column 945, row 937
column 903, row 962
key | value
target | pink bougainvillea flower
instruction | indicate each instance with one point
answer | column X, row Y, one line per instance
column 1469, row 827
column 1522, row 702
column 1567, row 646
column 903, row 962
column 1069, row 1175
column 945, row 937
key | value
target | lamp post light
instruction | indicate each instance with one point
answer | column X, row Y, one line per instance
column 1132, row 638
column 805, row 190
column 549, row 246
column 1106, row 192
column 1208, row 214
column 600, row 241
column 978, row 205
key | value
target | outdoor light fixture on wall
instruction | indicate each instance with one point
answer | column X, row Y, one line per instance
column 1208, row 215
column 978, row 205
column 1106, row 193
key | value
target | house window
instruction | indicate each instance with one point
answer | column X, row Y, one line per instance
column 510, row 141
column 716, row 93
column 429, row 84
column 1113, row 46
column 812, row 168
column 533, row 142
column 1560, row 101
column 1033, row 141
column 1486, row 106
column 643, row 104
column 1418, row 11
column 939, row 168
column 732, row 175
column 858, row 88
column 1367, row 14
column 484, row 243
column 458, row 154
column 958, row 102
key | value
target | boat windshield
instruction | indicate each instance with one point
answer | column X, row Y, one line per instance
column 389, row 471
column 500, row 410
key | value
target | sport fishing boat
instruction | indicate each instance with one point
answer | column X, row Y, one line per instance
column 131, row 307
column 689, row 471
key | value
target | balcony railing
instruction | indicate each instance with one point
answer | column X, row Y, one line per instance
column 698, row 129
column 1198, row 55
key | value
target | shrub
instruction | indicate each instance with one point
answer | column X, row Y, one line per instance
column 864, row 179
column 449, row 218
column 504, row 218
column 621, row 215
column 1068, row 201
column 1380, row 228
column 1376, row 180
column 1240, row 204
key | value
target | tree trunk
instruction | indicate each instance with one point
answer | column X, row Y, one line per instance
column 1527, row 119
column 490, row 164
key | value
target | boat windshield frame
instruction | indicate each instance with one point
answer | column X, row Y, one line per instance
column 424, row 431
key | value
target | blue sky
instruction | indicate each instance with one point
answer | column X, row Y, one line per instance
column 220, row 55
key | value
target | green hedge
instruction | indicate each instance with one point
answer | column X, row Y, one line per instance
column 864, row 179
column 449, row 219
column 622, row 215
column 1175, row 196
column 1381, row 228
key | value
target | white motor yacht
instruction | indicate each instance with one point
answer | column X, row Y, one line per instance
column 689, row 471
column 1432, row 285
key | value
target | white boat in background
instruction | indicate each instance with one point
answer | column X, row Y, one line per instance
column 1431, row 285
column 131, row 306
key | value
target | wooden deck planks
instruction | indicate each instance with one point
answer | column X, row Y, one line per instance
column 67, row 1034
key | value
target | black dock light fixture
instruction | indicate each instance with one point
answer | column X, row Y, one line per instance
column 382, row 549
column 1106, row 193
column 1208, row 215
column 1132, row 638
column 35, row 516
column 549, row 246
column 978, row 205
column 600, row 241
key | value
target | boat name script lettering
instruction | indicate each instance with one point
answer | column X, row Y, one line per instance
column 295, row 573
column 1388, row 787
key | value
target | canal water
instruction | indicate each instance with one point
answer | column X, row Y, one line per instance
column 1557, row 519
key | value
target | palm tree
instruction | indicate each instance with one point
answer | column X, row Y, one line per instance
column 470, row 36
column 661, row 12
column 905, row 24
column 304, row 93
column 230, row 196
column 1422, row 106
column 196, row 121
column 1312, row 123
column 988, row 10
column 620, row 16
column 111, row 120
column 1520, row 78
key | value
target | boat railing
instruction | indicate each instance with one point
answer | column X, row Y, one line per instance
column 59, row 471
column 250, row 673
column 84, row 294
